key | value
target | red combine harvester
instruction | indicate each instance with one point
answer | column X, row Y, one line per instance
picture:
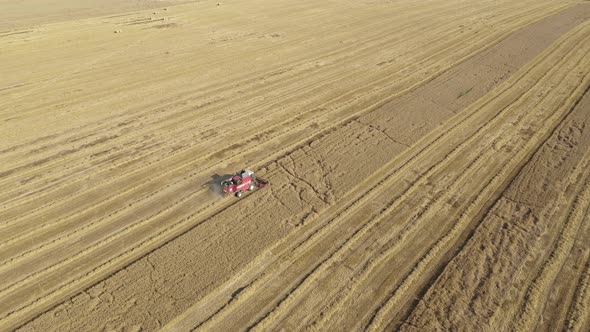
column 242, row 181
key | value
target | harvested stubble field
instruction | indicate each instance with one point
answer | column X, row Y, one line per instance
column 429, row 165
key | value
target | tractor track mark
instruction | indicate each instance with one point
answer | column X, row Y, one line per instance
column 322, row 268
column 550, row 132
column 578, row 319
column 386, row 211
column 523, row 298
column 356, row 203
column 558, row 308
column 392, row 246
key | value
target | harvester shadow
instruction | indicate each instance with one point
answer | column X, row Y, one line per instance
column 215, row 184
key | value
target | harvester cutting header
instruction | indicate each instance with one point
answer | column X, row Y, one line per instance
column 242, row 181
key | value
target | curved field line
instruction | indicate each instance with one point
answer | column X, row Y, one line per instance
column 391, row 251
column 321, row 270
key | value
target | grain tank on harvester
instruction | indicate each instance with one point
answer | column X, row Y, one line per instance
column 240, row 182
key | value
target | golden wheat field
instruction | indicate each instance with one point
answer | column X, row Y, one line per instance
column 429, row 165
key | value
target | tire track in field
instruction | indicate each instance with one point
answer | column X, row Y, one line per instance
column 290, row 300
column 578, row 319
column 565, row 159
column 568, row 288
column 576, row 97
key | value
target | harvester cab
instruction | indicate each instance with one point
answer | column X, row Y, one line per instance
column 242, row 181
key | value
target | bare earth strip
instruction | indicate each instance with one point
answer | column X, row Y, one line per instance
column 319, row 245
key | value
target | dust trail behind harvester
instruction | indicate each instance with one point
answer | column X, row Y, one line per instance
column 215, row 190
